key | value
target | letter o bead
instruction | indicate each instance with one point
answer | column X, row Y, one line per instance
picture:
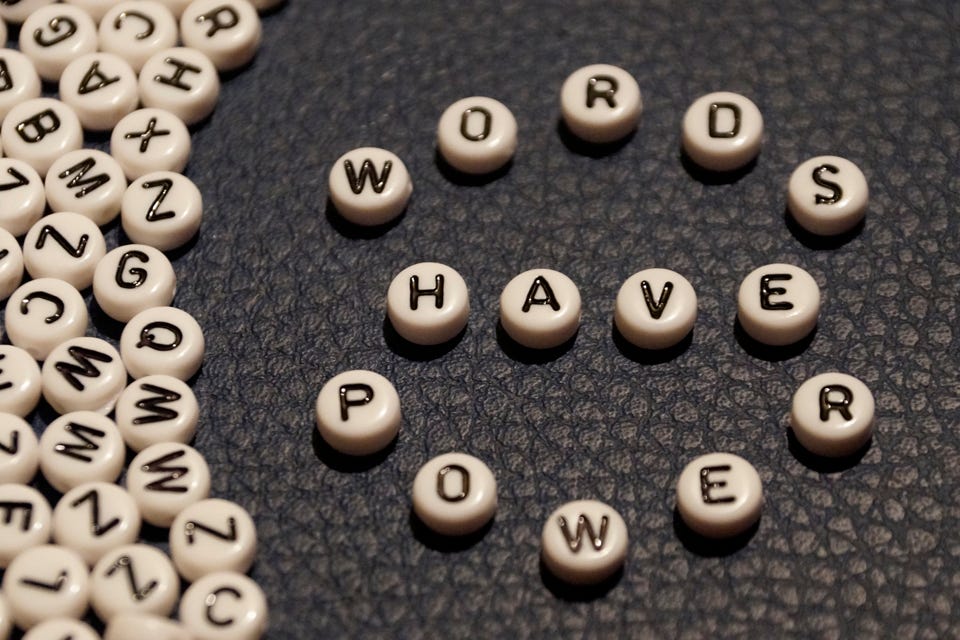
column 224, row 606
column 584, row 542
column 832, row 414
column 827, row 195
column 39, row 131
column 600, row 103
column 428, row 303
column 719, row 495
column 455, row 494
column 722, row 131
column 778, row 304
column 540, row 309
column 655, row 308
column 136, row 626
column 477, row 135
column 358, row 412
column 369, row 186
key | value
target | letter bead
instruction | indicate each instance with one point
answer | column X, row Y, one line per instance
column 94, row 8
column 46, row 582
column 600, row 103
column 584, row 542
column 162, row 340
column 11, row 264
column 719, row 495
column 55, row 35
column 212, row 535
column 64, row 245
column 150, row 140
column 655, row 308
column 827, row 195
column 25, row 520
column 455, row 494
column 101, row 88
column 832, row 414
column 778, row 304
column 44, row 313
column 182, row 81
column 20, row 382
column 136, row 626
column 358, row 412
column 39, row 131
column 80, row 447
column 477, row 135
column 722, row 131
column 61, row 629
column 137, row 29
column 20, row 81
column 222, row 606
column 19, row 450
column 428, row 303
column 227, row 31
column 369, row 186
column 176, row 7
column 162, row 209
column 95, row 517
column 165, row 479
column 134, row 578
column 21, row 194
column 88, row 182
column 83, row 374
column 157, row 409
column 540, row 309
column 131, row 279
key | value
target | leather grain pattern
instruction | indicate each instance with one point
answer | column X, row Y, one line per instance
column 290, row 295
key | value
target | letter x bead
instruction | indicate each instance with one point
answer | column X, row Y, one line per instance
column 832, row 414
column 584, row 542
column 722, row 131
column 778, row 304
column 540, row 309
column 827, row 195
column 358, row 412
column 46, row 582
column 369, row 186
column 719, row 495
column 455, row 494
column 150, row 140
column 224, row 605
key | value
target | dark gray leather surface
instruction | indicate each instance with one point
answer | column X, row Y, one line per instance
column 290, row 295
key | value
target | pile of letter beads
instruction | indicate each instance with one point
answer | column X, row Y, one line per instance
column 118, row 69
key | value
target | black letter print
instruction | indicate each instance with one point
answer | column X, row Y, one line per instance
column 827, row 405
column 766, row 291
column 656, row 308
column 605, row 93
column 436, row 292
column 540, row 283
column 714, row 108
column 465, row 119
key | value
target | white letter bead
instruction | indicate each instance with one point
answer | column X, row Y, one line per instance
column 358, row 412
column 227, row 31
column 584, row 542
column 137, row 29
column 600, row 103
column 212, row 535
column 88, row 182
column 722, row 131
column 157, row 409
column 224, row 606
column 369, row 186
column 20, row 11
column 25, row 522
column 428, row 303
column 264, row 5
column 62, row 629
column 182, row 81
column 39, row 131
column 80, row 447
column 778, row 304
column 455, row 494
column 83, row 374
column 827, row 195
column 150, row 140
column 165, row 479
column 95, row 517
column 540, row 309
column 135, row 578
column 162, row 209
column 55, row 35
column 477, row 135
column 136, row 626
column 131, row 279
column 11, row 264
column 64, row 245
column 719, row 495
column 162, row 340
column 19, row 450
column 655, row 308
column 44, row 313
column 22, row 79
column 46, row 582
column 101, row 88
column 23, row 199
column 832, row 414
column 20, row 382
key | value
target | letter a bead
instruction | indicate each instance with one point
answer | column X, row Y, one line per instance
column 369, row 186
column 358, row 412
column 719, row 495
column 584, row 542
column 477, row 135
column 832, row 414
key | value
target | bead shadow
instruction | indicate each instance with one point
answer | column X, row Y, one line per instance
column 713, row 178
column 106, row 326
column 526, row 355
column 445, row 544
column 417, row 352
column 576, row 592
column 643, row 356
column 824, row 464
column 581, row 147
column 816, row 242
column 353, row 231
column 710, row 547
column 461, row 179
column 767, row 352
column 344, row 463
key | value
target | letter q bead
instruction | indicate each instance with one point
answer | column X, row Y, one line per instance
column 455, row 494
column 778, row 304
column 832, row 415
column 428, row 303
column 719, row 495
column 477, row 135
column 358, row 412
column 369, row 186
column 827, row 195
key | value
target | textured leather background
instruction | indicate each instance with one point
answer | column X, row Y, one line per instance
column 289, row 295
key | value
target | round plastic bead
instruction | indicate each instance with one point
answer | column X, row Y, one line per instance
column 44, row 313
column 778, row 304
column 66, row 246
column 369, row 186
column 24, row 199
column 212, row 535
column 540, row 309
column 182, row 81
column 226, row 31
column 137, row 29
column 222, row 606
column 83, row 374
column 101, row 88
column 22, row 79
column 27, row 522
column 55, row 35
column 157, row 409
column 149, row 140
column 162, row 209
column 39, row 131
column 81, row 447
column 19, row 449
column 162, row 340
column 722, row 131
column 358, row 412
column 827, row 195
column 46, row 582
column 131, row 279
column 428, row 303
column 88, row 182
column 165, row 479
column 719, row 495
column 584, row 542
column 600, row 103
